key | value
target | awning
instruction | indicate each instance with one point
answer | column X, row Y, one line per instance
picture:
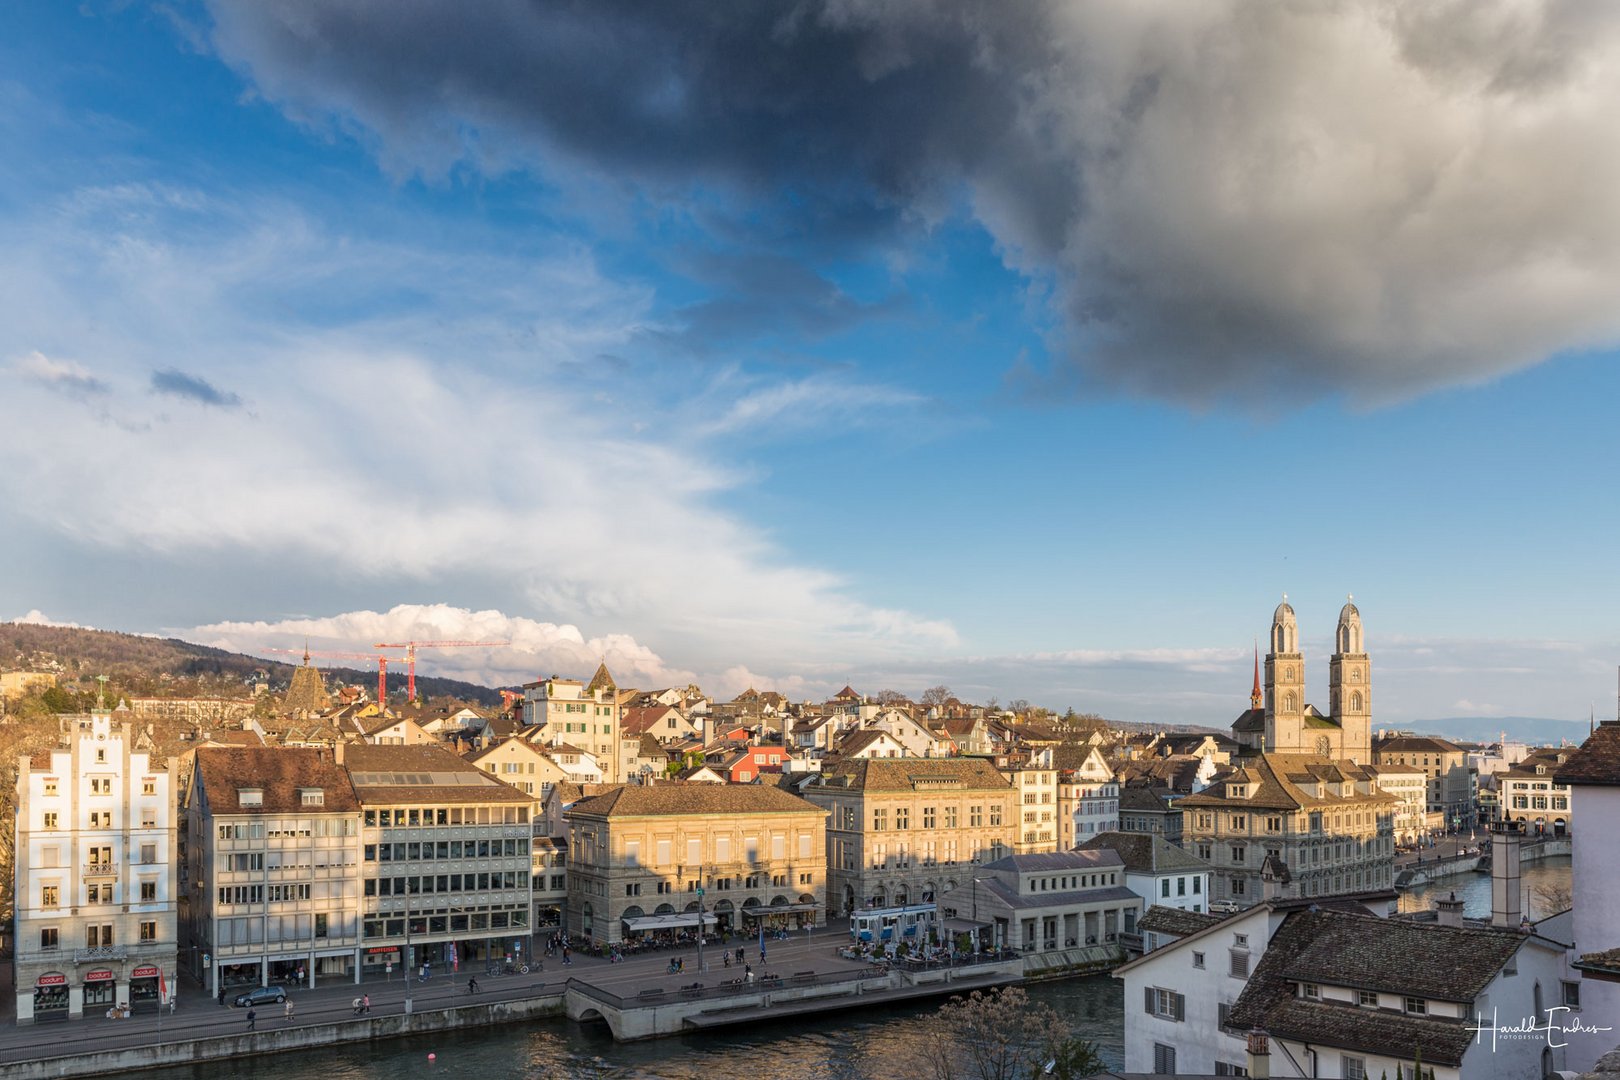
column 784, row 909
column 668, row 922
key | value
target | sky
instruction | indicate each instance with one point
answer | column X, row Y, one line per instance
column 1033, row 350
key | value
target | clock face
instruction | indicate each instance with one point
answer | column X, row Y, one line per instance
column 1323, row 747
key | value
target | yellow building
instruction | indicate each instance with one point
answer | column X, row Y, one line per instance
column 646, row 859
column 587, row 716
column 905, row 830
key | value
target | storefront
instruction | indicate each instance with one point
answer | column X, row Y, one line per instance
column 145, row 986
column 382, row 960
column 100, row 988
column 51, row 996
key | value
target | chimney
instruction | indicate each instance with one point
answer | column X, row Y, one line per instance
column 337, row 753
column 1259, row 1055
column 1505, row 910
column 1450, row 910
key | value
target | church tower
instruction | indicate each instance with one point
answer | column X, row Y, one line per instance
column 1285, row 684
column 1350, row 686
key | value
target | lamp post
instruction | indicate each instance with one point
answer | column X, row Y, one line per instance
column 701, row 968
column 409, row 958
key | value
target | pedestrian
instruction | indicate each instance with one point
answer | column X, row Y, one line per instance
column 567, row 958
column 355, row 1004
column 762, row 956
column 727, row 957
column 287, row 1010
column 252, row 1017
column 365, row 1003
column 748, row 973
column 472, row 985
column 222, row 993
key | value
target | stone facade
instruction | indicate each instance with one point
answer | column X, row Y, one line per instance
column 663, row 856
column 587, row 717
column 906, row 830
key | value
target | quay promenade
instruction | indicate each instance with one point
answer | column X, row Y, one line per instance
column 811, row 975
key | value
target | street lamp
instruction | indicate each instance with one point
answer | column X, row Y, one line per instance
column 409, row 958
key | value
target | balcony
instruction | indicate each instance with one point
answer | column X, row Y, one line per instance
column 99, row 869
column 103, row 954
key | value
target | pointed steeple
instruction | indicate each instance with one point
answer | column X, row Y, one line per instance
column 1255, row 697
column 601, row 680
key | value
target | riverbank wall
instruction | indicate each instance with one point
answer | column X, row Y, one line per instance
column 280, row 1040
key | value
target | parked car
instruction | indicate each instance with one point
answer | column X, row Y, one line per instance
column 261, row 995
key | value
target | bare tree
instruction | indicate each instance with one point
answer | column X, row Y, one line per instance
column 1001, row 1035
column 890, row 697
column 1552, row 897
column 937, row 695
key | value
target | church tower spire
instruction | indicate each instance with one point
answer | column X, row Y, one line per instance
column 1256, row 699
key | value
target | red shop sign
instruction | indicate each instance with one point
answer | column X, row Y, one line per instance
column 98, row 976
column 148, row 972
column 52, row 979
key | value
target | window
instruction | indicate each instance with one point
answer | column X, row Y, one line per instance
column 1353, row 1068
column 1164, row 1059
column 1227, row 1068
column 1310, row 991
column 995, row 815
column 1572, row 994
column 1240, row 965
column 1164, row 1003
column 50, row 788
column 49, row 896
column 148, row 787
column 148, row 853
column 928, row 817
column 950, row 817
column 880, row 819
column 149, row 931
column 1239, row 853
column 1417, row 1006
column 312, row 797
column 50, row 819
column 1164, row 887
column 1198, row 959
column 249, row 797
column 975, row 817
column 1367, row 998
column 148, row 890
column 902, row 817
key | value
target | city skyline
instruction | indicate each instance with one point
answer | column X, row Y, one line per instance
column 872, row 349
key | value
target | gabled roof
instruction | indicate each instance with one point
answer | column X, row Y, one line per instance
column 641, row 719
column 1146, row 853
column 1597, row 761
column 907, row 774
column 676, row 798
column 280, row 774
column 1277, row 780
column 1393, row 956
column 1169, row 920
column 1058, row 862
column 1250, row 720
column 1141, row 799
column 422, row 774
column 1422, row 744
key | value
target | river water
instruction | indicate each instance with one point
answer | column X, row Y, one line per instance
column 864, row 1045
column 1474, row 889
column 876, row 1043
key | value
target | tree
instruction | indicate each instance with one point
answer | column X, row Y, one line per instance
column 1000, row 1035
column 937, row 695
column 890, row 697
column 1552, row 897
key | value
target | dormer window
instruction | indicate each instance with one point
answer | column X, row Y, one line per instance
column 250, row 796
column 1541, row 770
column 1310, row 991
column 1237, row 791
column 312, row 796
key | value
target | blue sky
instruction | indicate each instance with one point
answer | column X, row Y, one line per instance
column 1033, row 357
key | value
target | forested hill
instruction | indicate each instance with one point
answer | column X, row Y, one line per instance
column 139, row 665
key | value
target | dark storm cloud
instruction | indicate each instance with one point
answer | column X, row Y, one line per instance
column 179, row 384
column 1364, row 197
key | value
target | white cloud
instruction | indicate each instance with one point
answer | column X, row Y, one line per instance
column 36, row 617
column 456, row 435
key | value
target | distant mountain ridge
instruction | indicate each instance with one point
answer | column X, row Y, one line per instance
column 1535, row 730
column 128, row 658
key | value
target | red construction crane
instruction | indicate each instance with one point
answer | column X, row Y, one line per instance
column 410, row 648
column 382, row 665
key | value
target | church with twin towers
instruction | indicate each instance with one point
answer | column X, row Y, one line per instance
column 1279, row 721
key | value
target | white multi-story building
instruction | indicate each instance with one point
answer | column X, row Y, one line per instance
column 1088, row 801
column 1409, row 784
column 94, row 864
column 1158, row 871
column 1531, row 793
column 587, row 717
column 1592, row 775
column 1035, row 781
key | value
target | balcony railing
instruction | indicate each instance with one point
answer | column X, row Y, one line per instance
column 100, row 954
column 99, row 869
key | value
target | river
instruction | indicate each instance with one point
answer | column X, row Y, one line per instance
column 843, row 1046
column 1474, row 889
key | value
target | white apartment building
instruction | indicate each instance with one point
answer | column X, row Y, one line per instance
column 1409, row 784
column 1087, row 800
column 583, row 716
column 1531, row 793
column 1035, row 781
column 94, row 865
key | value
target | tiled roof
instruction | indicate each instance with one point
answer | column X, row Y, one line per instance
column 1422, row 744
column 1146, row 853
column 1057, row 862
column 675, row 798
column 1277, row 779
column 1409, row 959
column 1250, row 720
column 1547, row 758
column 640, row 720
column 279, row 773
column 1597, row 761
column 904, row 774
column 306, row 692
column 425, row 773
column 1010, row 896
column 1141, row 799
column 1169, row 920
column 600, row 681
